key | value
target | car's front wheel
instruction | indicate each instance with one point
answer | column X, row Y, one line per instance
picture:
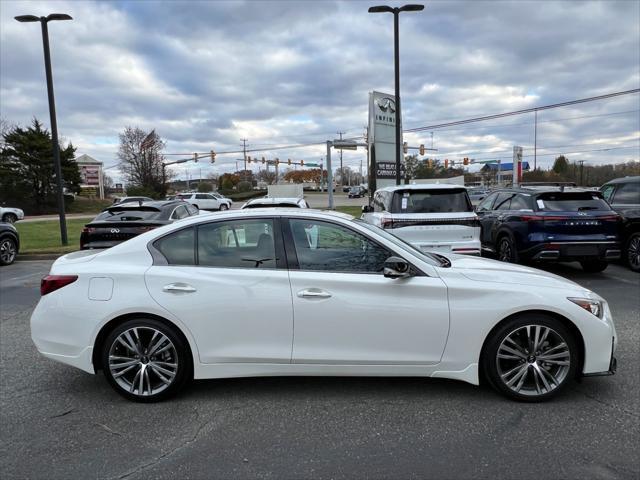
column 530, row 358
column 633, row 252
column 223, row 207
column 8, row 251
column 10, row 218
column 594, row 266
column 145, row 360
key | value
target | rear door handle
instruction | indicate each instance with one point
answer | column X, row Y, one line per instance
column 313, row 293
column 179, row 288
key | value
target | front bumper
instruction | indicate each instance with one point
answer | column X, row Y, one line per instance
column 613, row 364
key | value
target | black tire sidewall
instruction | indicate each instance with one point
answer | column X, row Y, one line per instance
column 514, row 253
column 626, row 251
column 9, row 218
column 489, row 361
column 185, row 362
column 15, row 247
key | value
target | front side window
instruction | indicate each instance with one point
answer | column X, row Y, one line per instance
column 237, row 244
column 486, row 203
column 628, row 194
column 607, row 191
column 324, row 246
column 178, row 247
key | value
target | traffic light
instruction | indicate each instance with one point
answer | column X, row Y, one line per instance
column 213, row 156
column 465, row 161
column 263, row 160
column 446, row 163
column 421, row 149
column 405, row 147
column 195, row 157
column 289, row 161
column 302, row 163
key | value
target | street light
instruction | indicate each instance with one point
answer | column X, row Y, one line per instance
column 396, row 45
column 52, row 109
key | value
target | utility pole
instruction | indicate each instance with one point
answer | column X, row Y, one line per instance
column 341, row 170
column 535, row 141
column 244, row 155
column 581, row 162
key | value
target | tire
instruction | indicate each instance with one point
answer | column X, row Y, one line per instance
column 166, row 372
column 196, row 206
column 632, row 252
column 506, row 249
column 8, row 251
column 224, row 207
column 594, row 266
column 521, row 373
column 10, row 218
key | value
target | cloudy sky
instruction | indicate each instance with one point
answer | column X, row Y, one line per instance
column 206, row 74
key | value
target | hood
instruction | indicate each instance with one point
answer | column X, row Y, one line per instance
column 494, row 271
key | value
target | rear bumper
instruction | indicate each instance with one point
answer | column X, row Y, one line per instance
column 574, row 251
column 462, row 248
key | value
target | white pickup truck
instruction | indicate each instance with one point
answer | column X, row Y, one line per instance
column 432, row 217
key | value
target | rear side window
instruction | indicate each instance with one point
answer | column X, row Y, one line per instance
column 520, row 202
column 431, row 201
column 570, row 202
column 178, row 247
column 503, row 202
column 628, row 194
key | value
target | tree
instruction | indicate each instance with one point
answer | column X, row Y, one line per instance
column 107, row 181
column 27, row 172
column 141, row 161
column 228, row 181
column 266, row 176
column 561, row 165
column 205, row 187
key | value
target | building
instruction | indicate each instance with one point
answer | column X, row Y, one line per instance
column 91, row 178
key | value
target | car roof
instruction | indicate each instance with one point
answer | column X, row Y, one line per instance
column 271, row 200
column 421, row 186
column 545, row 189
column 632, row 179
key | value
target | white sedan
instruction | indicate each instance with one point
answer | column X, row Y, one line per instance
column 222, row 295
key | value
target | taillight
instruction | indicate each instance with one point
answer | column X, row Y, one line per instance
column 386, row 223
column 51, row 283
column 88, row 230
column 146, row 229
column 531, row 218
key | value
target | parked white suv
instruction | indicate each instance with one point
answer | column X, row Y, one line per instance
column 10, row 214
column 206, row 201
column 432, row 217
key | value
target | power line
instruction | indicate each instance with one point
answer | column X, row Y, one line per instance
column 520, row 112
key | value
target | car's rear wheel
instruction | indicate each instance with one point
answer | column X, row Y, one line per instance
column 224, row 207
column 145, row 360
column 633, row 252
column 507, row 249
column 530, row 358
column 10, row 218
column 8, row 251
column 594, row 266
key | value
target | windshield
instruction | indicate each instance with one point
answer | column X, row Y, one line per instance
column 425, row 256
column 570, row 202
column 431, row 201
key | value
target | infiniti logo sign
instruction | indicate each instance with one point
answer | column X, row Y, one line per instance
column 386, row 104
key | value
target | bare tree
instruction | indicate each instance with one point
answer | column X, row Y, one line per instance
column 141, row 160
column 5, row 128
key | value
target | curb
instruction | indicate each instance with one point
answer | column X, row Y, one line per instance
column 29, row 257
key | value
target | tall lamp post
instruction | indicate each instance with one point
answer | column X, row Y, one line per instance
column 52, row 110
column 396, row 45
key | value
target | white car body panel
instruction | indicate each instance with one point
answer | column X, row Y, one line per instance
column 16, row 211
column 211, row 202
column 374, row 326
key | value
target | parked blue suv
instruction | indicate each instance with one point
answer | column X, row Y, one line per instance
column 550, row 224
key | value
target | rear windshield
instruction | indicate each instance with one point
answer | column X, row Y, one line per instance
column 127, row 215
column 431, row 201
column 274, row 205
column 570, row 202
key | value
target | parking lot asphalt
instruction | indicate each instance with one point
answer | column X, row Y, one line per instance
column 57, row 422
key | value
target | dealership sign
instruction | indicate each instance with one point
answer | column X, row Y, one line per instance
column 387, row 170
column 382, row 138
column 90, row 175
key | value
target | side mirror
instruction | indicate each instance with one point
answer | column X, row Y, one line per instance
column 396, row 267
column 367, row 209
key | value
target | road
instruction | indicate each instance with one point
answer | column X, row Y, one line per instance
column 58, row 422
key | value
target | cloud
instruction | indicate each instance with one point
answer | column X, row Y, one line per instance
column 205, row 74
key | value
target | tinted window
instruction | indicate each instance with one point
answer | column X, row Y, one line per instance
column 570, row 202
column 180, row 212
column 191, row 209
column 431, row 201
column 503, row 202
column 328, row 247
column 237, row 244
column 128, row 215
column 607, row 191
column 178, row 247
column 520, row 202
column 487, row 202
column 202, row 196
column 628, row 194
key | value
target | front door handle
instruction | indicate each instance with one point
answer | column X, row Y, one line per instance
column 179, row 288
column 313, row 293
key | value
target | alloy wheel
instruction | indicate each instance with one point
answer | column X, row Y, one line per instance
column 633, row 252
column 533, row 360
column 143, row 361
column 7, row 251
column 505, row 252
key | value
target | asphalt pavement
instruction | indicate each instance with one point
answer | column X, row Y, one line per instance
column 57, row 422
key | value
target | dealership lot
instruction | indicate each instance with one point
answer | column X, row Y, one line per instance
column 58, row 422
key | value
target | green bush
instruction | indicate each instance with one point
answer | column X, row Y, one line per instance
column 244, row 187
column 133, row 191
column 236, row 196
column 205, row 187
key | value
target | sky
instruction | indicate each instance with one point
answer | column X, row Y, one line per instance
column 206, row 74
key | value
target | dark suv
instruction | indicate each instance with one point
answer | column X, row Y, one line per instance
column 550, row 224
column 623, row 194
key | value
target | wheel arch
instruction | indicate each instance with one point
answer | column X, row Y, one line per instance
column 568, row 324
column 119, row 320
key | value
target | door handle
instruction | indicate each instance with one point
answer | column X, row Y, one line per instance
column 179, row 288
column 313, row 293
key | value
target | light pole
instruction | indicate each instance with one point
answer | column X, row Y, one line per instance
column 52, row 110
column 396, row 45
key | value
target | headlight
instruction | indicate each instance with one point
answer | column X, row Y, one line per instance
column 592, row 306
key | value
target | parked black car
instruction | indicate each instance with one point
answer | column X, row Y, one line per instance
column 550, row 224
column 357, row 192
column 623, row 194
column 9, row 243
column 124, row 221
